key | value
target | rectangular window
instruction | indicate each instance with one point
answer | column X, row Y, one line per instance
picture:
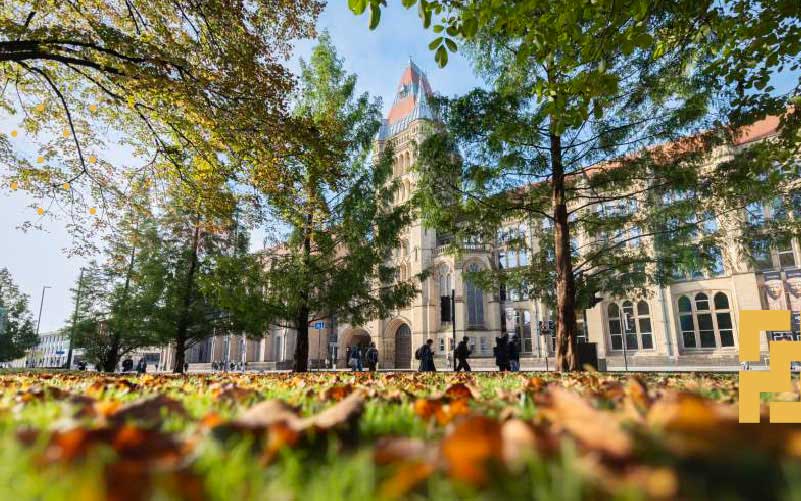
column 616, row 334
column 442, row 344
column 482, row 345
column 786, row 255
column 706, row 330
column 525, row 330
column 523, row 256
column 687, row 331
column 445, row 309
column 645, row 333
column 725, row 329
column 760, row 252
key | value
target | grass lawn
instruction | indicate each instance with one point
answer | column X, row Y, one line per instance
column 328, row 436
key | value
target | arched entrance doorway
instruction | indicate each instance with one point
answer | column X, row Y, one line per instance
column 403, row 347
column 356, row 337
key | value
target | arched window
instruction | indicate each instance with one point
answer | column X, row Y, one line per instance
column 475, row 300
column 632, row 320
column 706, row 324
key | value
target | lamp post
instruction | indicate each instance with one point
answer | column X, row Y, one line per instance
column 41, row 304
column 453, row 326
column 74, row 320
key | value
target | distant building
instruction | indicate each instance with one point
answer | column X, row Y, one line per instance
column 689, row 323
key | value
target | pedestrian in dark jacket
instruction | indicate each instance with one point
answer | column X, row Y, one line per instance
column 127, row 365
column 462, row 353
column 141, row 366
column 425, row 354
column 355, row 358
column 514, row 354
column 371, row 356
column 502, row 353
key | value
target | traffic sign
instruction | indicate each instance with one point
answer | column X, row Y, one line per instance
column 319, row 325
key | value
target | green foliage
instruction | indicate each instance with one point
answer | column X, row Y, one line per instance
column 165, row 80
column 599, row 124
column 336, row 207
column 17, row 333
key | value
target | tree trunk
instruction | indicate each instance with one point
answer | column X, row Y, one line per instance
column 113, row 356
column 302, row 320
column 302, row 342
column 183, row 320
column 565, row 282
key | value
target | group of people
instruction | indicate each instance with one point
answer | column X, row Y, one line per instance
column 359, row 356
column 128, row 365
column 232, row 366
column 507, row 353
column 425, row 354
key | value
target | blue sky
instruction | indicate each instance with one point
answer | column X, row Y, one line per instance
column 38, row 258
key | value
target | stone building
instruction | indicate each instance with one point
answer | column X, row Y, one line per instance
column 690, row 323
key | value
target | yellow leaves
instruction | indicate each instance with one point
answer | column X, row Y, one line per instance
column 66, row 186
column 66, row 132
column 40, row 211
column 14, row 185
column 14, row 133
column 92, row 159
column 131, row 102
column 40, row 108
column 40, row 159
column 92, row 108
column 92, row 211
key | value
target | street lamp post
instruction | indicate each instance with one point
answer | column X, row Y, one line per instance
column 41, row 304
column 74, row 319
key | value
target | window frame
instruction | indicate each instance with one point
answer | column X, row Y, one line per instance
column 637, row 319
column 714, row 312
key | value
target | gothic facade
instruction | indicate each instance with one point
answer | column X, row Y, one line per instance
column 690, row 323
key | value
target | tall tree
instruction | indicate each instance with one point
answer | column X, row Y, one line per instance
column 583, row 128
column 162, row 79
column 17, row 332
column 337, row 204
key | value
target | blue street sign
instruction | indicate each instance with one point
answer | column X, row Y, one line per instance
column 319, row 325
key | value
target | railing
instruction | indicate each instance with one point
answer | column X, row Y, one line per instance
column 467, row 247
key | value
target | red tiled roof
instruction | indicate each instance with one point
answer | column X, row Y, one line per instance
column 411, row 82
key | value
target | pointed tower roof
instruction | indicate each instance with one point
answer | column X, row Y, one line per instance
column 410, row 103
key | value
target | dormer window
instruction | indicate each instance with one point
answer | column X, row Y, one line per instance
column 403, row 91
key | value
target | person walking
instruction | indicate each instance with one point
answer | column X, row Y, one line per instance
column 502, row 352
column 462, row 354
column 371, row 356
column 141, row 366
column 425, row 354
column 514, row 354
column 355, row 359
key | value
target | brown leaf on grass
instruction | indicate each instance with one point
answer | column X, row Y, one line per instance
column 266, row 413
column 336, row 392
column 471, row 449
column 40, row 393
column 128, row 442
column 232, row 393
column 406, row 477
column 443, row 409
column 594, row 429
column 519, row 443
column 461, row 391
column 637, row 401
column 390, row 450
column 149, row 410
column 342, row 414
column 535, row 384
